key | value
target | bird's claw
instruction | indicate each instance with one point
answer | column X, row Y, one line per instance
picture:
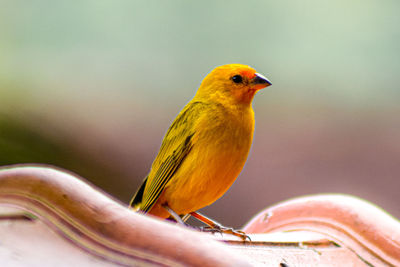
column 225, row 230
column 209, row 229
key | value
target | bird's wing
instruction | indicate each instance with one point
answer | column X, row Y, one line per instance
column 175, row 147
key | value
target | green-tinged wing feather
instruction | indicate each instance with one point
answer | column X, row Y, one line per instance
column 175, row 147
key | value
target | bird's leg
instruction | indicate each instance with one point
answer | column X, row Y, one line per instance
column 174, row 215
column 216, row 227
column 185, row 217
column 213, row 225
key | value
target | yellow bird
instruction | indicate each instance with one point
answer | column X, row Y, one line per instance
column 206, row 146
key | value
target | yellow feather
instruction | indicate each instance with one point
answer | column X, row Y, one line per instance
column 206, row 146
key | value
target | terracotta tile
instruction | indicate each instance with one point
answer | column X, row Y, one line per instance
column 80, row 222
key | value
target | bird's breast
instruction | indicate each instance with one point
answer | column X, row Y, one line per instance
column 220, row 148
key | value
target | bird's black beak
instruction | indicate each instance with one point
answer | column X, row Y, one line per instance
column 259, row 81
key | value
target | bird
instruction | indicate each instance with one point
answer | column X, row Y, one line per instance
column 205, row 148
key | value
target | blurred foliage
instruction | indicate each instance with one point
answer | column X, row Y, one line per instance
column 21, row 144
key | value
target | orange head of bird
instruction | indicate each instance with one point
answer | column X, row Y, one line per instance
column 232, row 83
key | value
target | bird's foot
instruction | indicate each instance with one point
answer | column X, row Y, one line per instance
column 225, row 230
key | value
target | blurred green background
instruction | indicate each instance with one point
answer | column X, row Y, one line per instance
column 92, row 86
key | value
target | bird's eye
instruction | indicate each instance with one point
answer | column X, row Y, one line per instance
column 237, row 79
